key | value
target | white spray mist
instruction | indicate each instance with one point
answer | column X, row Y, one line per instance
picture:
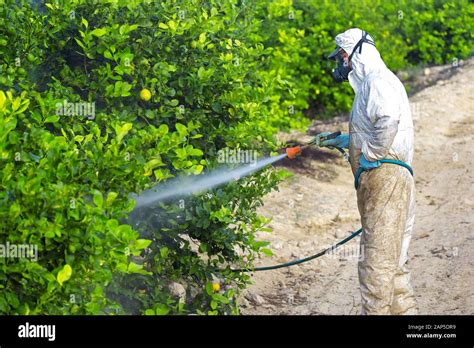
column 188, row 185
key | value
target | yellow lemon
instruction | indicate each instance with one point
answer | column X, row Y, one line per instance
column 145, row 94
column 216, row 287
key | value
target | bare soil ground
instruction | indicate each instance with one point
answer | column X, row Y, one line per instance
column 317, row 207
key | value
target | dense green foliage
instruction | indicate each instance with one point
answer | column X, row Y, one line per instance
column 221, row 74
column 407, row 33
column 66, row 178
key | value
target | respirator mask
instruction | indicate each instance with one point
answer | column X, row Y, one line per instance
column 342, row 70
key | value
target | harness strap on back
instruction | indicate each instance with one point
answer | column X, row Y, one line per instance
column 359, row 44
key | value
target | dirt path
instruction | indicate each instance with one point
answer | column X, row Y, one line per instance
column 317, row 207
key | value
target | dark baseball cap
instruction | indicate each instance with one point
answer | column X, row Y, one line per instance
column 335, row 53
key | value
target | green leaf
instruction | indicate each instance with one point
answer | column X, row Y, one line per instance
column 181, row 128
column 201, row 72
column 195, row 152
column 161, row 309
column 162, row 26
column 64, row 274
column 220, row 298
column 98, row 198
column 135, row 268
column 162, row 130
column 80, row 43
column 209, row 289
column 181, row 153
column 3, row 99
column 153, row 163
column 99, row 32
column 111, row 197
column 198, row 169
column 12, row 299
column 122, row 131
column 52, row 119
column 266, row 251
column 108, row 55
column 172, row 24
column 3, row 305
column 162, row 174
column 51, row 287
column 142, row 243
column 164, row 252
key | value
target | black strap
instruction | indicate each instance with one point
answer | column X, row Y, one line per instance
column 359, row 44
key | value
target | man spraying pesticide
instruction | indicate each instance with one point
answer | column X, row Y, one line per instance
column 380, row 144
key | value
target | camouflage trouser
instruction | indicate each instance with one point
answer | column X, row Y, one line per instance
column 386, row 201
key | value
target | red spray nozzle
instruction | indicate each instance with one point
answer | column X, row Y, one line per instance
column 292, row 152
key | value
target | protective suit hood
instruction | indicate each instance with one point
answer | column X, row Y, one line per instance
column 364, row 61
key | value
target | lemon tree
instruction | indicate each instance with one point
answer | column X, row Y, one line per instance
column 78, row 137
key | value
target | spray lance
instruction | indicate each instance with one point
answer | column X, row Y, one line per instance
column 219, row 177
column 292, row 152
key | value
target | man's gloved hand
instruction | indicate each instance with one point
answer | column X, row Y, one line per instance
column 368, row 165
column 341, row 141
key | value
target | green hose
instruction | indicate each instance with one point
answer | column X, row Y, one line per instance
column 297, row 262
column 353, row 235
column 360, row 170
column 345, row 240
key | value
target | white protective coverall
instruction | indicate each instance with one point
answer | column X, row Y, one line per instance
column 380, row 127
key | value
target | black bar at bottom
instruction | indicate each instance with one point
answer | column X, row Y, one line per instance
column 288, row 330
